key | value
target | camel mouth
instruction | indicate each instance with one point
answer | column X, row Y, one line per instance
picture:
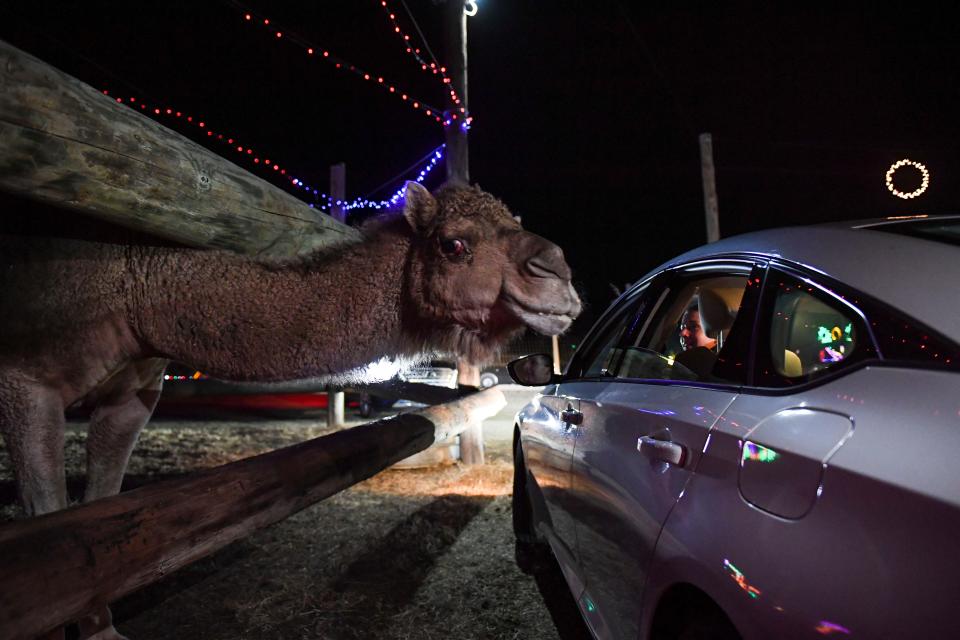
column 545, row 322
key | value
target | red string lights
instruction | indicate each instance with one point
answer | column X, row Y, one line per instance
column 321, row 200
column 230, row 141
column 431, row 67
column 313, row 50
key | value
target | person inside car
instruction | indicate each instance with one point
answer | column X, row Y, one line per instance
column 692, row 335
column 698, row 350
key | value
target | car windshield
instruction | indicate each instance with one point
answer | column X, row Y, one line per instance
column 947, row 231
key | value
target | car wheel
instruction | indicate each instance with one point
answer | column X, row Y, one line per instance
column 366, row 409
column 708, row 628
column 488, row 380
column 531, row 554
column 688, row 614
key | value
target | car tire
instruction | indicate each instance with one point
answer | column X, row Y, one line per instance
column 531, row 554
column 708, row 629
column 366, row 409
column 488, row 380
column 694, row 618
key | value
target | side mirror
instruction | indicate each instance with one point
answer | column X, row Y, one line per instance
column 532, row 371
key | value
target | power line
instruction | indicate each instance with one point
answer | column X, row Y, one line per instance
column 423, row 38
column 413, row 166
column 688, row 123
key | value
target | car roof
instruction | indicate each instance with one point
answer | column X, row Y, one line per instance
column 918, row 276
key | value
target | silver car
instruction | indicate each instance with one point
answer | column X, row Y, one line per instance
column 760, row 439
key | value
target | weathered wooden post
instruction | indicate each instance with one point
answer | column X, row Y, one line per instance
column 338, row 195
column 708, row 175
column 555, row 344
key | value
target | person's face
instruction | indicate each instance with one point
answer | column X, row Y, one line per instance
column 691, row 332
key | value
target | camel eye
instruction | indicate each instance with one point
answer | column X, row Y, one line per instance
column 453, row 247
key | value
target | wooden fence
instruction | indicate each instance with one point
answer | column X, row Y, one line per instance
column 60, row 565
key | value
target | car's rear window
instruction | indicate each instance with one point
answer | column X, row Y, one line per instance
column 947, row 231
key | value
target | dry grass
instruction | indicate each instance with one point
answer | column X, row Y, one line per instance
column 424, row 553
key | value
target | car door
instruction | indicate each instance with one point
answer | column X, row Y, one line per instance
column 784, row 524
column 548, row 437
column 644, row 426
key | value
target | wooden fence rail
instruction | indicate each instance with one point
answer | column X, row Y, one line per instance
column 58, row 566
column 392, row 389
column 65, row 143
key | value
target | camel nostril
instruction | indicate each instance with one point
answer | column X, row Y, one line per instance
column 549, row 263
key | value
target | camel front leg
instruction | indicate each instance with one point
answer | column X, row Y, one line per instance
column 115, row 424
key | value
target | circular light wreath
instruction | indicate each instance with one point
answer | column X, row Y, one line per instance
column 924, row 183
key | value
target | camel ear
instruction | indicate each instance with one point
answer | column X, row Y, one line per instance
column 419, row 207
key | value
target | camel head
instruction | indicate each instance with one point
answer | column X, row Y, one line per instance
column 477, row 276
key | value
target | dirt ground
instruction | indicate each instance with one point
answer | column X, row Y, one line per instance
column 408, row 554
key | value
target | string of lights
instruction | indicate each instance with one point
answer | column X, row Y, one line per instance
column 423, row 38
column 414, row 51
column 406, row 171
column 322, row 200
column 242, row 150
column 362, row 203
column 906, row 162
column 430, row 67
column 312, row 50
column 458, row 111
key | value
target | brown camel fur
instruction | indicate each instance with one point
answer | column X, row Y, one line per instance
column 97, row 322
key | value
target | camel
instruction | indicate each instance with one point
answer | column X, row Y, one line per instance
column 97, row 322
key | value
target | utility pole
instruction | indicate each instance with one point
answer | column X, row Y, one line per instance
column 458, row 170
column 455, row 27
column 338, row 192
column 710, row 206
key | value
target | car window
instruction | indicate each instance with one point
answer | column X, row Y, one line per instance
column 807, row 331
column 688, row 332
column 606, row 355
column 809, row 335
column 601, row 351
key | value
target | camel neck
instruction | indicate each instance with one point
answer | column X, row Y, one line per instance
column 241, row 319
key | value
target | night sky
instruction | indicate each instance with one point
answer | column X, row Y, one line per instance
column 586, row 113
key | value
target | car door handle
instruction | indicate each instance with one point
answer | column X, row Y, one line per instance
column 662, row 450
column 571, row 416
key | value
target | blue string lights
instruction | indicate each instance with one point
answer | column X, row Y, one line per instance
column 327, row 202
column 362, row 203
